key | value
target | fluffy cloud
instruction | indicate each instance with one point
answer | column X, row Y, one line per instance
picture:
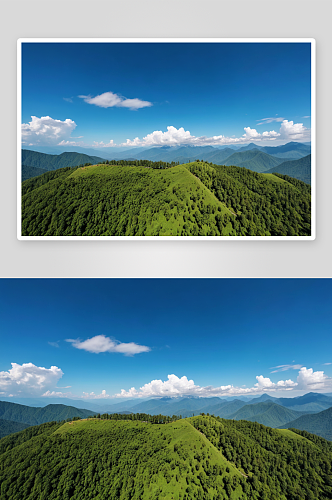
column 102, row 145
column 46, row 130
column 71, row 143
column 307, row 380
column 175, row 136
column 176, row 386
column 284, row 368
column 111, row 100
column 100, row 343
column 57, row 394
column 291, row 131
column 92, row 395
column 310, row 380
column 28, row 379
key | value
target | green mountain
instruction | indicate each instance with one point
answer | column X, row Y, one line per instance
column 130, row 457
column 254, row 160
column 226, row 409
column 267, row 413
column 28, row 172
column 8, row 427
column 53, row 162
column 147, row 199
column 319, row 423
column 33, row 416
column 299, row 169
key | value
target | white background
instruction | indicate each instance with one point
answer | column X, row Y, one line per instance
column 160, row 18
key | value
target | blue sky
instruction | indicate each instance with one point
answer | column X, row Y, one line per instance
column 207, row 93
column 227, row 336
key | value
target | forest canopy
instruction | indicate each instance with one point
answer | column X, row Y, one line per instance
column 144, row 198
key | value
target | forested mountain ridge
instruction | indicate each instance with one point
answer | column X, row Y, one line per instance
column 9, row 427
column 146, row 199
column 318, row 423
column 298, row 169
column 34, row 416
column 203, row 458
column 53, row 162
column 28, row 172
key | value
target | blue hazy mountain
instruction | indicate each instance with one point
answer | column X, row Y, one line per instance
column 319, row 423
column 299, row 169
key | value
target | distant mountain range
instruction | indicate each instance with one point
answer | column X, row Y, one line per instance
column 311, row 412
column 252, row 156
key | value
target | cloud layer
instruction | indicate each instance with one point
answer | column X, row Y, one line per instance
column 307, row 380
column 28, row 379
column 175, row 137
column 101, row 343
column 49, row 131
column 111, row 100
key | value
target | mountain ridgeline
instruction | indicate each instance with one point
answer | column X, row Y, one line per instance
column 15, row 417
column 136, row 458
column 145, row 198
column 273, row 412
column 253, row 157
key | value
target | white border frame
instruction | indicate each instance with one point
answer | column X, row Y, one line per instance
column 312, row 41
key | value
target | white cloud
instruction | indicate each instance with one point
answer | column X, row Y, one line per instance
column 291, row 131
column 72, row 143
column 111, row 100
column 284, row 368
column 102, row 145
column 176, row 386
column 100, row 343
column 174, row 137
column 54, row 344
column 264, row 121
column 46, row 130
column 310, row 380
column 28, row 379
column 326, row 364
column 92, row 395
column 68, row 99
column 57, row 394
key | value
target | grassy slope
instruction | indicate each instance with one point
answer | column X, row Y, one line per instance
column 158, row 200
column 181, row 434
column 160, row 458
